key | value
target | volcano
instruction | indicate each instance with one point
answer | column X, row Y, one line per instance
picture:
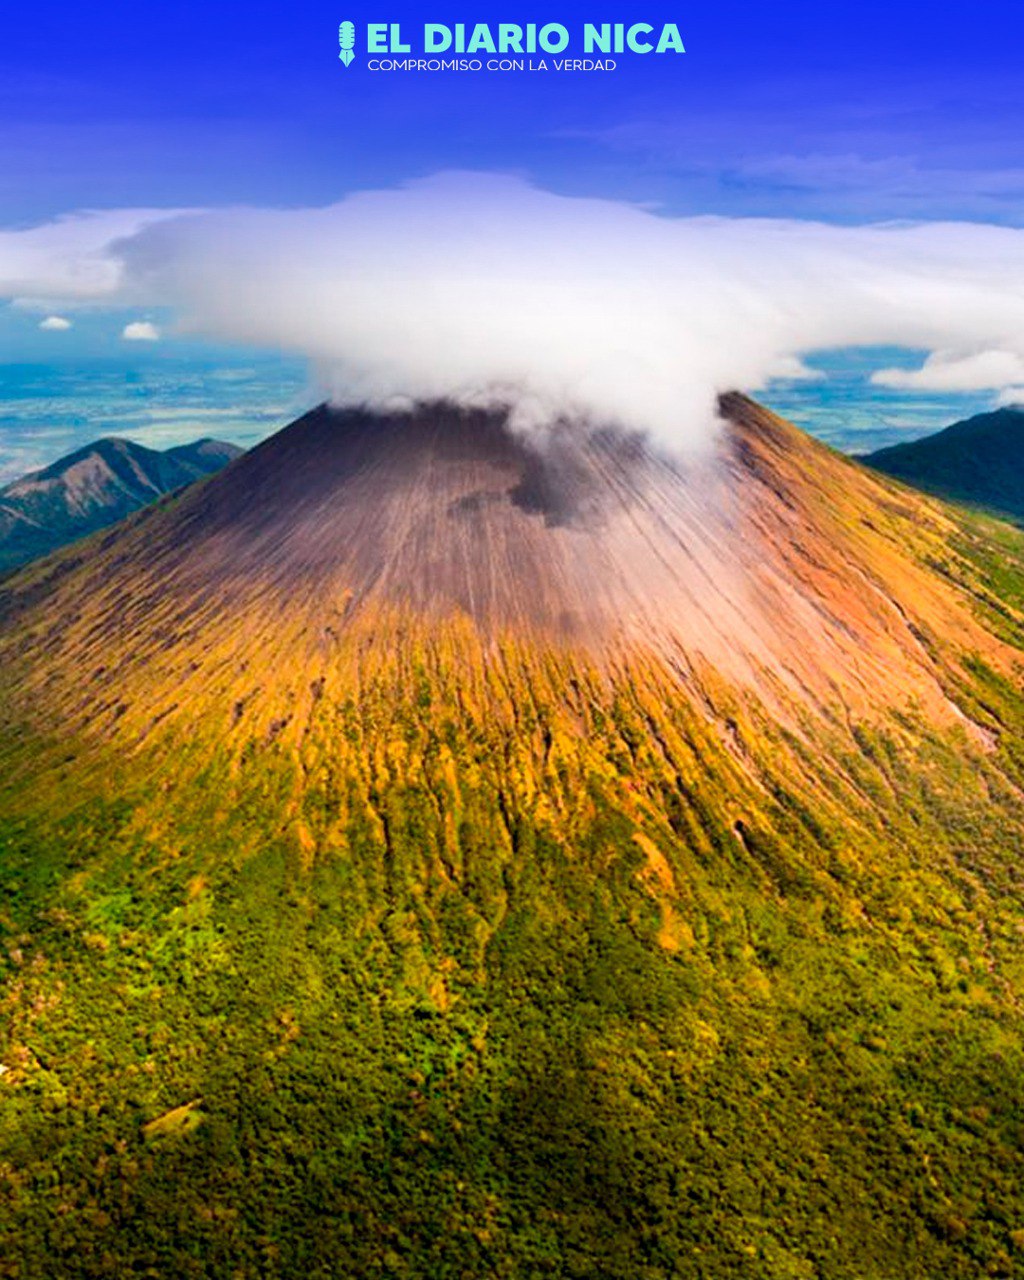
column 432, row 850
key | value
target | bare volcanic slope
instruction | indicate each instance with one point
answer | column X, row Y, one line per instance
column 772, row 562
column 430, row 852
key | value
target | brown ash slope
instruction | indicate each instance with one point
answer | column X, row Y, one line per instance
column 772, row 562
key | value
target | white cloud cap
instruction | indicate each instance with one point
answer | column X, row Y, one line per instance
column 482, row 288
column 140, row 331
column 55, row 324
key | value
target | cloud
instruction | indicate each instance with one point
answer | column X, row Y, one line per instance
column 952, row 371
column 70, row 258
column 140, row 331
column 484, row 289
column 55, row 324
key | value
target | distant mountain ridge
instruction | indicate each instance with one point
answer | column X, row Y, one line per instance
column 93, row 487
column 978, row 461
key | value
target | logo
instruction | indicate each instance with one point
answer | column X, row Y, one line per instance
column 437, row 40
column 346, row 42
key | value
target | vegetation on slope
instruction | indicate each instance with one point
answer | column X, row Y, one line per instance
column 449, row 1005
column 978, row 461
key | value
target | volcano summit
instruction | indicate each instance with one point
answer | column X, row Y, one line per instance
column 432, row 851
column 760, row 562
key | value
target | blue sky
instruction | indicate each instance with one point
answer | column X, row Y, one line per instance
column 849, row 113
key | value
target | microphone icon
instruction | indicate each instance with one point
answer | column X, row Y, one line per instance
column 346, row 42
